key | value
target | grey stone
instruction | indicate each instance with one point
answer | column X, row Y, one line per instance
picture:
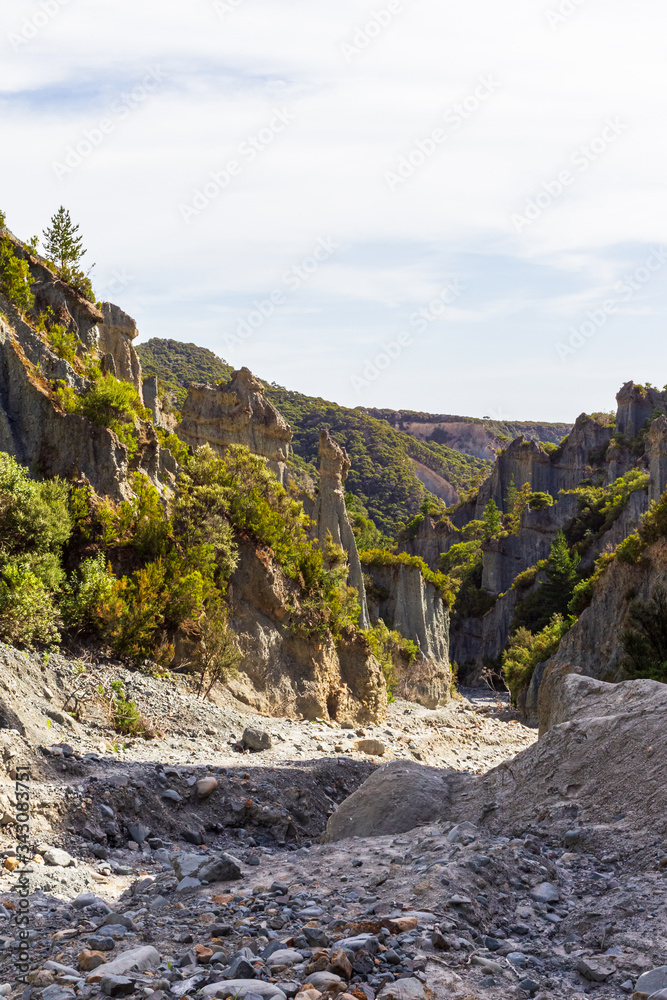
column 529, row 986
column 134, row 960
column 57, row 858
column 243, row 988
column 138, row 832
column 223, row 868
column 257, row 739
column 100, row 943
column 116, row 986
column 322, row 980
column 595, row 970
column 462, row 833
column 545, row 893
column 117, row 918
column 403, row 989
column 171, row 795
column 56, row 992
column 316, row 937
column 188, row 883
column 84, row 899
column 285, row 956
column 651, row 982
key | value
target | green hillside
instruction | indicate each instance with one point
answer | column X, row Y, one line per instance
column 382, row 477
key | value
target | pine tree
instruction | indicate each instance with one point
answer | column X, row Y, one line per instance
column 562, row 572
column 61, row 243
column 492, row 521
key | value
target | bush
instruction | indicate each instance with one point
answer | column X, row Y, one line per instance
column 525, row 650
column 645, row 639
column 15, row 278
column 110, row 402
column 125, row 716
column 522, row 581
column 393, row 652
column 540, row 501
column 382, row 557
column 34, row 521
column 631, row 549
column 217, row 655
column 85, row 593
column 27, row 613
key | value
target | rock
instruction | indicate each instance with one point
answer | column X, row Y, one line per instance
column 595, row 970
column 188, row 883
column 403, row 989
column 116, row 986
column 84, row 899
column 100, row 942
column 117, row 918
column 206, row 786
column 171, row 795
column 138, row 832
column 316, row 937
column 463, row 833
column 134, row 960
column 57, row 858
column 660, row 995
column 242, row 988
column 193, row 837
column 374, row 748
column 529, row 986
column 324, row 980
column 545, row 893
column 56, row 992
column 257, row 739
column 340, row 964
column 651, row 982
column 487, row 965
column 330, row 514
column 11, row 864
column 203, row 954
column 89, row 960
column 399, row 796
column 285, row 956
column 116, row 333
column 223, row 868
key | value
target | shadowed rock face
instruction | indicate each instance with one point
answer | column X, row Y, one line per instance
column 636, row 404
column 656, row 449
column 330, row 514
column 237, row 413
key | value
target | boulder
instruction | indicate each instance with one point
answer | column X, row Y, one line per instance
column 134, row 960
column 241, row 988
column 397, row 797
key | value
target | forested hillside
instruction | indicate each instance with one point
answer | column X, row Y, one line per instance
column 382, row 479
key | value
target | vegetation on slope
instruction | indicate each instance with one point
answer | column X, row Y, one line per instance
column 382, row 482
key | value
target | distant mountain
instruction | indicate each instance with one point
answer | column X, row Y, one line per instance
column 483, row 438
column 392, row 473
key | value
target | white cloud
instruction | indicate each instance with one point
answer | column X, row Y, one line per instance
column 324, row 175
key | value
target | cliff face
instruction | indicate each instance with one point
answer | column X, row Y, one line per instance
column 330, row 514
column 636, row 404
column 406, row 602
column 656, row 450
column 237, row 413
column 284, row 673
column 116, row 333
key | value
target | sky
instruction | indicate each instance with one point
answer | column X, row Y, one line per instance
column 452, row 208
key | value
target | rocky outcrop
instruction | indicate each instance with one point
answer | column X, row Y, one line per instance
column 116, row 333
column 635, row 406
column 162, row 417
column 477, row 643
column 330, row 514
column 285, row 673
column 405, row 601
column 50, row 442
column 236, row 413
column 656, row 450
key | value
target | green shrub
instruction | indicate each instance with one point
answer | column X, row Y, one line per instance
column 382, row 557
column 393, row 652
column 645, row 638
column 63, row 342
column 554, row 595
column 540, row 501
column 28, row 615
column 631, row 549
column 34, row 521
column 217, row 654
column 15, row 278
column 85, row 593
column 110, row 402
column 522, row 581
column 125, row 716
column 526, row 649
